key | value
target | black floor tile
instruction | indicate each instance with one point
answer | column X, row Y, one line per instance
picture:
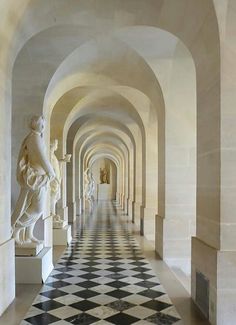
column 62, row 276
column 42, row 319
column 117, row 284
column 88, row 284
column 84, row 305
column 162, row 319
column 147, row 284
column 52, row 294
column 156, row 305
column 58, row 284
column 116, row 269
column 85, row 294
column 122, row 319
column 89, row 276
column 119, row 294
column 151, row 293
column 143, row 276
column 48, row 305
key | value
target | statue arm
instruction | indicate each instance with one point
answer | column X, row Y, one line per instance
column 66, row 160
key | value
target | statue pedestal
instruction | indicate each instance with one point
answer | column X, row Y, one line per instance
column 32, row 249
column 62, row 236
column 34, row 269
column 59, row 224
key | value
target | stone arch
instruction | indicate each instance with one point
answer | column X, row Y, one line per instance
column 114, row 128
column 108, row 149
column 100, row 141
column 108, row 191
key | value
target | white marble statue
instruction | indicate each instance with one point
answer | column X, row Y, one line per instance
column 56, row 182
column 89, row 188
column 34, row 173
column 93, row 186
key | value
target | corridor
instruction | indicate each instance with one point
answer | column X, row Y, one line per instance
column 103, row 278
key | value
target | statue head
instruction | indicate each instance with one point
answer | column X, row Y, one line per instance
column 37, row 123
column 54, row 145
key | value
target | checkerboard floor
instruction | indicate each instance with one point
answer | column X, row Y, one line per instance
column 102, row 278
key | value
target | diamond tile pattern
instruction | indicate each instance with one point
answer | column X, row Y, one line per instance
column 102, row 278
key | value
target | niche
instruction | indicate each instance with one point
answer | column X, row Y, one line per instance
column 105, row 174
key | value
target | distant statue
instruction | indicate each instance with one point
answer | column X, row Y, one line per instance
column 93, row 186
column 56, row 182
column 104, row 179
column 34, row 173
column 89, row 188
